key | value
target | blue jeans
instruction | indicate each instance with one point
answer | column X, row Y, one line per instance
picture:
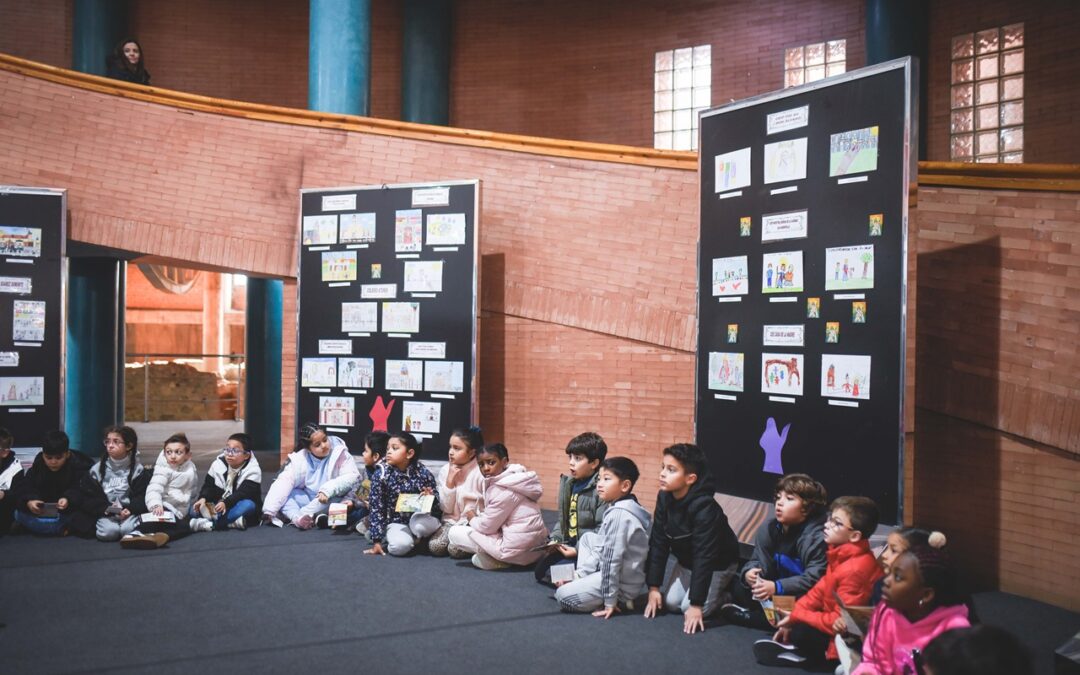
column 40, row 524
column 242, row 509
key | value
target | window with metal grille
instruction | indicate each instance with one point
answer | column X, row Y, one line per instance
column 814, row 62
column 987, row 96
column 682, row 88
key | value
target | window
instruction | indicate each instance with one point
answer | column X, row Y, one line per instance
column 987, row 97
column 683, row 88
column 814, row 62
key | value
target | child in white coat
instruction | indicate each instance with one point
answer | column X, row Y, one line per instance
column 172, row 489
column 294, row 493
column 460, row 484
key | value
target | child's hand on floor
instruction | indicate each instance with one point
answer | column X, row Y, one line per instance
column 655, row 602
column 693, row 620
column 375, row 550
column 606, row 612
column 322, row 498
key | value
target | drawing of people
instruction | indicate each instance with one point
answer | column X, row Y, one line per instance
column 855, row 388
column 781, row 273
column 847, row 384
column 768, row 276
column 846, row 268
column 830, row 377
column 789, row 278
column 836, row 274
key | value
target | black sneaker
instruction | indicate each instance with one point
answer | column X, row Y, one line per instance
column 773, row 653
column 736, row 614
column 322, row 521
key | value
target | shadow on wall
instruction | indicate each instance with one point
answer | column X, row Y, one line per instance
column 958, row 479
column 492, row 348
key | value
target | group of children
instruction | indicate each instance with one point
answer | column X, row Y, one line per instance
column 605, row 554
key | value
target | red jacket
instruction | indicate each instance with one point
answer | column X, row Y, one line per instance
column 851, row 574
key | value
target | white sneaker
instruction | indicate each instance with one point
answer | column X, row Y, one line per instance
column 483, row 561
column 201, row 525
column 238, row 524
column 362, row 527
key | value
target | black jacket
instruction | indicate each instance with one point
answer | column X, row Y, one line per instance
column 117, row 71
column 245, row 484
column 49, row 486
column 696, row 530
column 794, row 559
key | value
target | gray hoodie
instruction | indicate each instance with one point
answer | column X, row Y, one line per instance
column 624, row 545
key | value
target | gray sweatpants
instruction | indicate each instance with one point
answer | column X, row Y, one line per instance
column 111, row 529
column 583, row 594
column 401, row 538
column 676, row 590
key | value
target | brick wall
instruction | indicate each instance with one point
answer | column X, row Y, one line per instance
column 39, row 31
column 587, row 323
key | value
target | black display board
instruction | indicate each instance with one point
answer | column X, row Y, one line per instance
column 405, row 310
column 804, row 196
column 32, row 316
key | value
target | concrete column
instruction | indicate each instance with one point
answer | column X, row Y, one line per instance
column 339, row 56
column 262, row 379
column 96, row 26
column 425, row 61
column 898, row 28
column 213, row 322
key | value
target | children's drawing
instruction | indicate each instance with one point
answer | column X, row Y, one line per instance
column 17, row 285
column 732, row 170
column 423, row 276
column 444, row 376
column 421, row 416
column 445, row 229
column 339, row 266
column 813, row 308
column 732, row 333
column 778, row 226
column 357, row 228
column 408, row 231
column 832, row 332
column 858, row 312
column 320, row 230
column 403, row 375
column 359, row 317
column 730, row 276
column 376, row 270
column 16, row 391
column 318, row 372
column 28, row 322
column 853, row 151
column 785, row 160
column 22, row 242
column 877, row 223
column 849, row 267
column 782, row 374
column 772, row 442
column 726, row 371
column 845, row 376
column 782, row 272
column 745, row 226
column 380, row 413
column 401, row 317
column 356, row 372
column 337, row 411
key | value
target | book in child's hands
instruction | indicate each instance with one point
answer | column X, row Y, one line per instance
column 856, row 618
column 50, row 510
column 414, row 503
column 547, row 546
column 114, row 509
column 166, row 517
column 563, row 572
column 338, row 515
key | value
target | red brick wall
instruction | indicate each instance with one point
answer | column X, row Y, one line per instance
column 39, row 31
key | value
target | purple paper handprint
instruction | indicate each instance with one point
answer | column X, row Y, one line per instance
column 773, row 445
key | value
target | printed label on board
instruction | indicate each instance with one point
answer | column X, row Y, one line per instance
column 339, row 203
column 436, row 196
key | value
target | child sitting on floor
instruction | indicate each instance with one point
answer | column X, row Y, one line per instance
column 806, row 635
column 294, row 493
column 232, row 490
column 789, row 551
column 510, row 530
column 689, row 523
column 169, row 495
column 11, row 474
column 114, row 489
column 392, row 531
column 611, row 562
column 54, row 478
column 460, row 484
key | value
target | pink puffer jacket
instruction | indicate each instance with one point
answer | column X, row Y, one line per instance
column 511, row 526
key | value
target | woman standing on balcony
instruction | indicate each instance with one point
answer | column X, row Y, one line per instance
column 126, row 63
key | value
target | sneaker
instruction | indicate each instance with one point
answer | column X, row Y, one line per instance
column 201, row 525
column 269, row 519
column 139, row 541
column 304, row 522
column 791, row 657
column 238, row 524
column 768, row 653
column 322, row 521
column 483, row 561
column 736, row 614
column 362, row 527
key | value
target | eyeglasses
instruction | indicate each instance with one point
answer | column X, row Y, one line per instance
column 232, row 452
column 112, row 441
column 837, row 524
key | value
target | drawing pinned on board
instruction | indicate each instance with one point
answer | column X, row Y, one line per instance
column 408, row 231
column 832, row 331
column 320, row 230
column 785, row 160
column 339, row 266
column 853, row 151
column 732, row 333
column 726, row 371
column 858, row 312
column 849, row 267
column 813, row 308
column 729, row 276
column 16, row 391
column 357, row 228
column 376, row 270
column 782, row 272
column 772, row 442
column 745, row 226
column 23, row 242
column 380, row 414
column 782, row 374
column 845, row 376
column 877, row 223
column 732, row 170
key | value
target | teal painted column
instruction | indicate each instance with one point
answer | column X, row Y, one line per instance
column 339, row 56
column 262, row 376
column 898, row 28
column 95, row 338
column 425, row 61
column 97, row 26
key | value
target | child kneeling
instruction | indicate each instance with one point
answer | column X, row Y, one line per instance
column 510, row 529
column 611, row 562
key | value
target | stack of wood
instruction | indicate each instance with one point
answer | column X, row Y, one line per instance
column 177, row 392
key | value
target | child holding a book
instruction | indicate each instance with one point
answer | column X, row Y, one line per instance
column 114, row 490
column 460, row 484
column 393, row 529
column 49, row 493
column 352, row 492
column 320, row 458
column 172, row 489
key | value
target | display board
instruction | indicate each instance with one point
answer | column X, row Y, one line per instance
column 802, row 291
column 387, row 307
column 32, row 313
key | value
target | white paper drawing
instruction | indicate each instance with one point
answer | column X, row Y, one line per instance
column 730, row 276
column 359, row 317
column 408, row 231
column 356, row 372
column 445, row 229
column 849, row 267
column 337, row 411
column 339, row 266
column 21, row 242
column 782, row 272
column 845, row 376
column 726, row 371
column 28, row 322
column 854, row 151
column 404, row 375
column 782, row 374
column 357, row 228
column 320, row 230
column 732, row 170
column 785, row 160
column 421, row 417
column 444, row 376
column 423, row 276
column 787, row 225
column 401, row 317
column 16, row 391
column 318, row 372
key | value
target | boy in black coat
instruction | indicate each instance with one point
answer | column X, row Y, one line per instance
column 11, row 474
column 689, row 523
column 54, row 477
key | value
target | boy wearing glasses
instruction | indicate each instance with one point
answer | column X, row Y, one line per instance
column 231, row 495
column 805, row 637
